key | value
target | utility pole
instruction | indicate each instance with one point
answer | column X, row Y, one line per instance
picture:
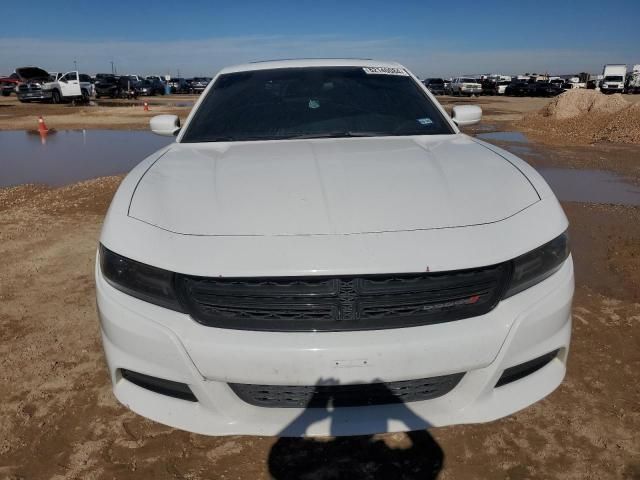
column 75, row 65
column 112, row 70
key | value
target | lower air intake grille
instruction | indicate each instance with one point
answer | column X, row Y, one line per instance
column 366, row 302
column 318, row 396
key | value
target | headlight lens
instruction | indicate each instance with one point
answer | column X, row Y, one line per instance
column 151, row 284
column 533, row 267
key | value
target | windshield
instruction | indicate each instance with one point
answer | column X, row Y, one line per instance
column 468, row 80
column 315, row 102
column 613, row 78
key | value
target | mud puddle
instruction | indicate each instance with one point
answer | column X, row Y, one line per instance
column 511, row 137
column 70, row 156
column 590, row 186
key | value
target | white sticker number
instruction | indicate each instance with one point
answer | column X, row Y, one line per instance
column 385, row 71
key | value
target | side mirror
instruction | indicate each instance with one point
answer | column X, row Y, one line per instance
column 166, row 125
column 465, row 115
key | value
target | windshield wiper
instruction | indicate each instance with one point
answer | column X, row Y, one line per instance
column 336, row 134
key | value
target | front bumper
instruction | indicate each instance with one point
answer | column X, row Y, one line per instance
column 37, row 95
column 155, row 341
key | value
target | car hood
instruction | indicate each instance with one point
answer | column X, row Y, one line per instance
column 31, row 74
column 329, row 187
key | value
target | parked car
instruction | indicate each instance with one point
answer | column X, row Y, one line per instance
column 87, row 80
column 30, row 81
column 494, row 86
column 151, row 87
column 69, row 87
column 544, row 89
column 41, row 86
column 517, row 88
column 117, row 87
column 178, row 85
column 435, row 85
column 8, row 84
column 465, row 86
column 198, row 84
column 107, row 86
column 321, row 241
column 156, row 78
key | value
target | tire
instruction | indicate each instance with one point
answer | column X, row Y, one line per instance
column 6, row 94
column 85, row 96
column 55, row 97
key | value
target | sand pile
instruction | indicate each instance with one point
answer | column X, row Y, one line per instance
column 586, row 116
column 580, row 101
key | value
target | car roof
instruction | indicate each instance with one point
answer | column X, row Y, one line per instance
column 310, row 62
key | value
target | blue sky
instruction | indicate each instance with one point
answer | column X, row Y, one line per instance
column 432, row 38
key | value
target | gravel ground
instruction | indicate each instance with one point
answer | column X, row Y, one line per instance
column 59, row 419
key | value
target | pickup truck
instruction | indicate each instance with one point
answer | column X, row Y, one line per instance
column 66, row 88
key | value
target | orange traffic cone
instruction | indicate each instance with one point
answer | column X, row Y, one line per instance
column 146, row 107
column 42, row 127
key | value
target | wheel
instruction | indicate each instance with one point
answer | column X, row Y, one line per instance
column 55, row 97
column 97, row 96
column 6, row 94
column 85, row 96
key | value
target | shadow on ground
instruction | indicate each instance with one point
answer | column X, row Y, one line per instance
column 417, row 455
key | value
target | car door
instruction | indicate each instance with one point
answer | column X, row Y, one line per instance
column 70, row 85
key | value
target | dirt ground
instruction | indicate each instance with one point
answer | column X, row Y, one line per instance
column 59, row 419
column 103, row 113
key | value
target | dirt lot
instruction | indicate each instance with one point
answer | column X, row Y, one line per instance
column 59, row 420
column 103, row 113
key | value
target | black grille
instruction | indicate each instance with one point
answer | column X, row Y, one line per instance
column 343, row 303
column 318, row 396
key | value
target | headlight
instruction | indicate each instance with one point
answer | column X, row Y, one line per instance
column 151, row 284
column 533, row 267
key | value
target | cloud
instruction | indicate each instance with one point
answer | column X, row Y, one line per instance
column 206, row 56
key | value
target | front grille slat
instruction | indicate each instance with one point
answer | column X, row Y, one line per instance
column 321, row 396
column 343, row 303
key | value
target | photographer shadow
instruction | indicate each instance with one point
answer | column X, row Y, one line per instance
column 417, row 454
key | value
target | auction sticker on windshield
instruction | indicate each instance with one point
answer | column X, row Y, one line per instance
column 385, row 71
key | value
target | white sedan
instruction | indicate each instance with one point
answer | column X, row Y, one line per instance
column 322, row 252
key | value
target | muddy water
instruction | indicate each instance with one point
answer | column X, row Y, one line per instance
column 592, row 186
column 515, row 137
column 569, row 184
column 72, row 155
